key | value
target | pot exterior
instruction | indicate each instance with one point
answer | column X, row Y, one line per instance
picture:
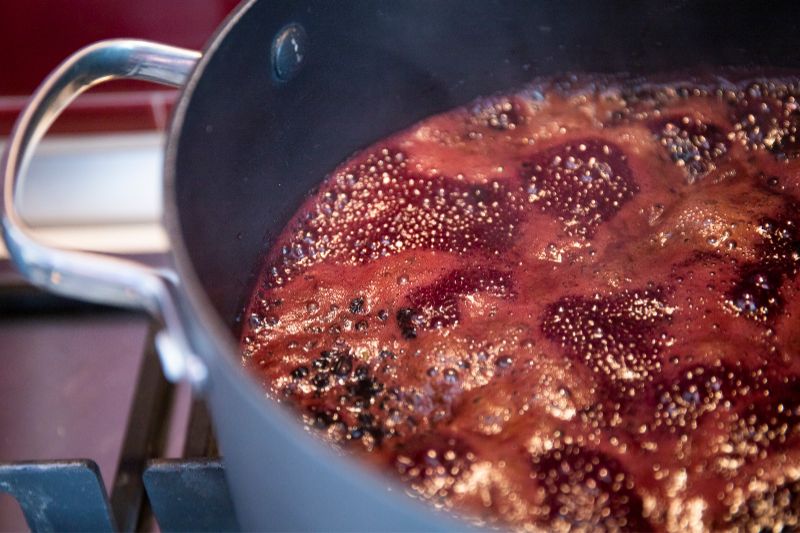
column 246, row 147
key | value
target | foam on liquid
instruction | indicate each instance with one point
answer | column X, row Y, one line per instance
column 571, row 307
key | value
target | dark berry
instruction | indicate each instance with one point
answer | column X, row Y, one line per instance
column 357, row 305
column 300, row 372
column 321, row 380
column 407, row 319
column 343, row 365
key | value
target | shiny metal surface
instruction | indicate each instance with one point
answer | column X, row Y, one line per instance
column 82, row 275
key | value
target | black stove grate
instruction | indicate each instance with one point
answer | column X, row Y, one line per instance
column 59, row 495
column 188, row 494
column 69, row 495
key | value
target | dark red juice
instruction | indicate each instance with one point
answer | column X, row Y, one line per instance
column 571, row 307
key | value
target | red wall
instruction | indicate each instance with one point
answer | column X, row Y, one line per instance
column 35, row 35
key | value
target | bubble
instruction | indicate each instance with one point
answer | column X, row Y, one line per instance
column 504, row 361
column 255, row 322
column 450, row 375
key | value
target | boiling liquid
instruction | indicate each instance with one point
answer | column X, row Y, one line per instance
column 573, row 306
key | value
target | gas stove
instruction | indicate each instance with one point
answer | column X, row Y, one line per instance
column 92, row 437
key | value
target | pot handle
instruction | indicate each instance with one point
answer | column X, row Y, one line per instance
column 90, row 276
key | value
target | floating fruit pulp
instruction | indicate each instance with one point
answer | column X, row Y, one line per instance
column 573, row 306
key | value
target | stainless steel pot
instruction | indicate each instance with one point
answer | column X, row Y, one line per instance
column 283, row 92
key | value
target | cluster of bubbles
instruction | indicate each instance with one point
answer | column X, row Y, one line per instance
column 718, row 418
column 436, row 306
column 582, row 183
column 691, row 143
column 378, row 206
column 499, row 114
column 766, row 116
column 584, row 486
column 617, row 336
column 774, row 508
column 434, row 464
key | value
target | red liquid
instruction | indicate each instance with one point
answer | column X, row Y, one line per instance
column 574, row 306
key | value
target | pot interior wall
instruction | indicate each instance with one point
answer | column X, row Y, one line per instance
column 251, row 147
